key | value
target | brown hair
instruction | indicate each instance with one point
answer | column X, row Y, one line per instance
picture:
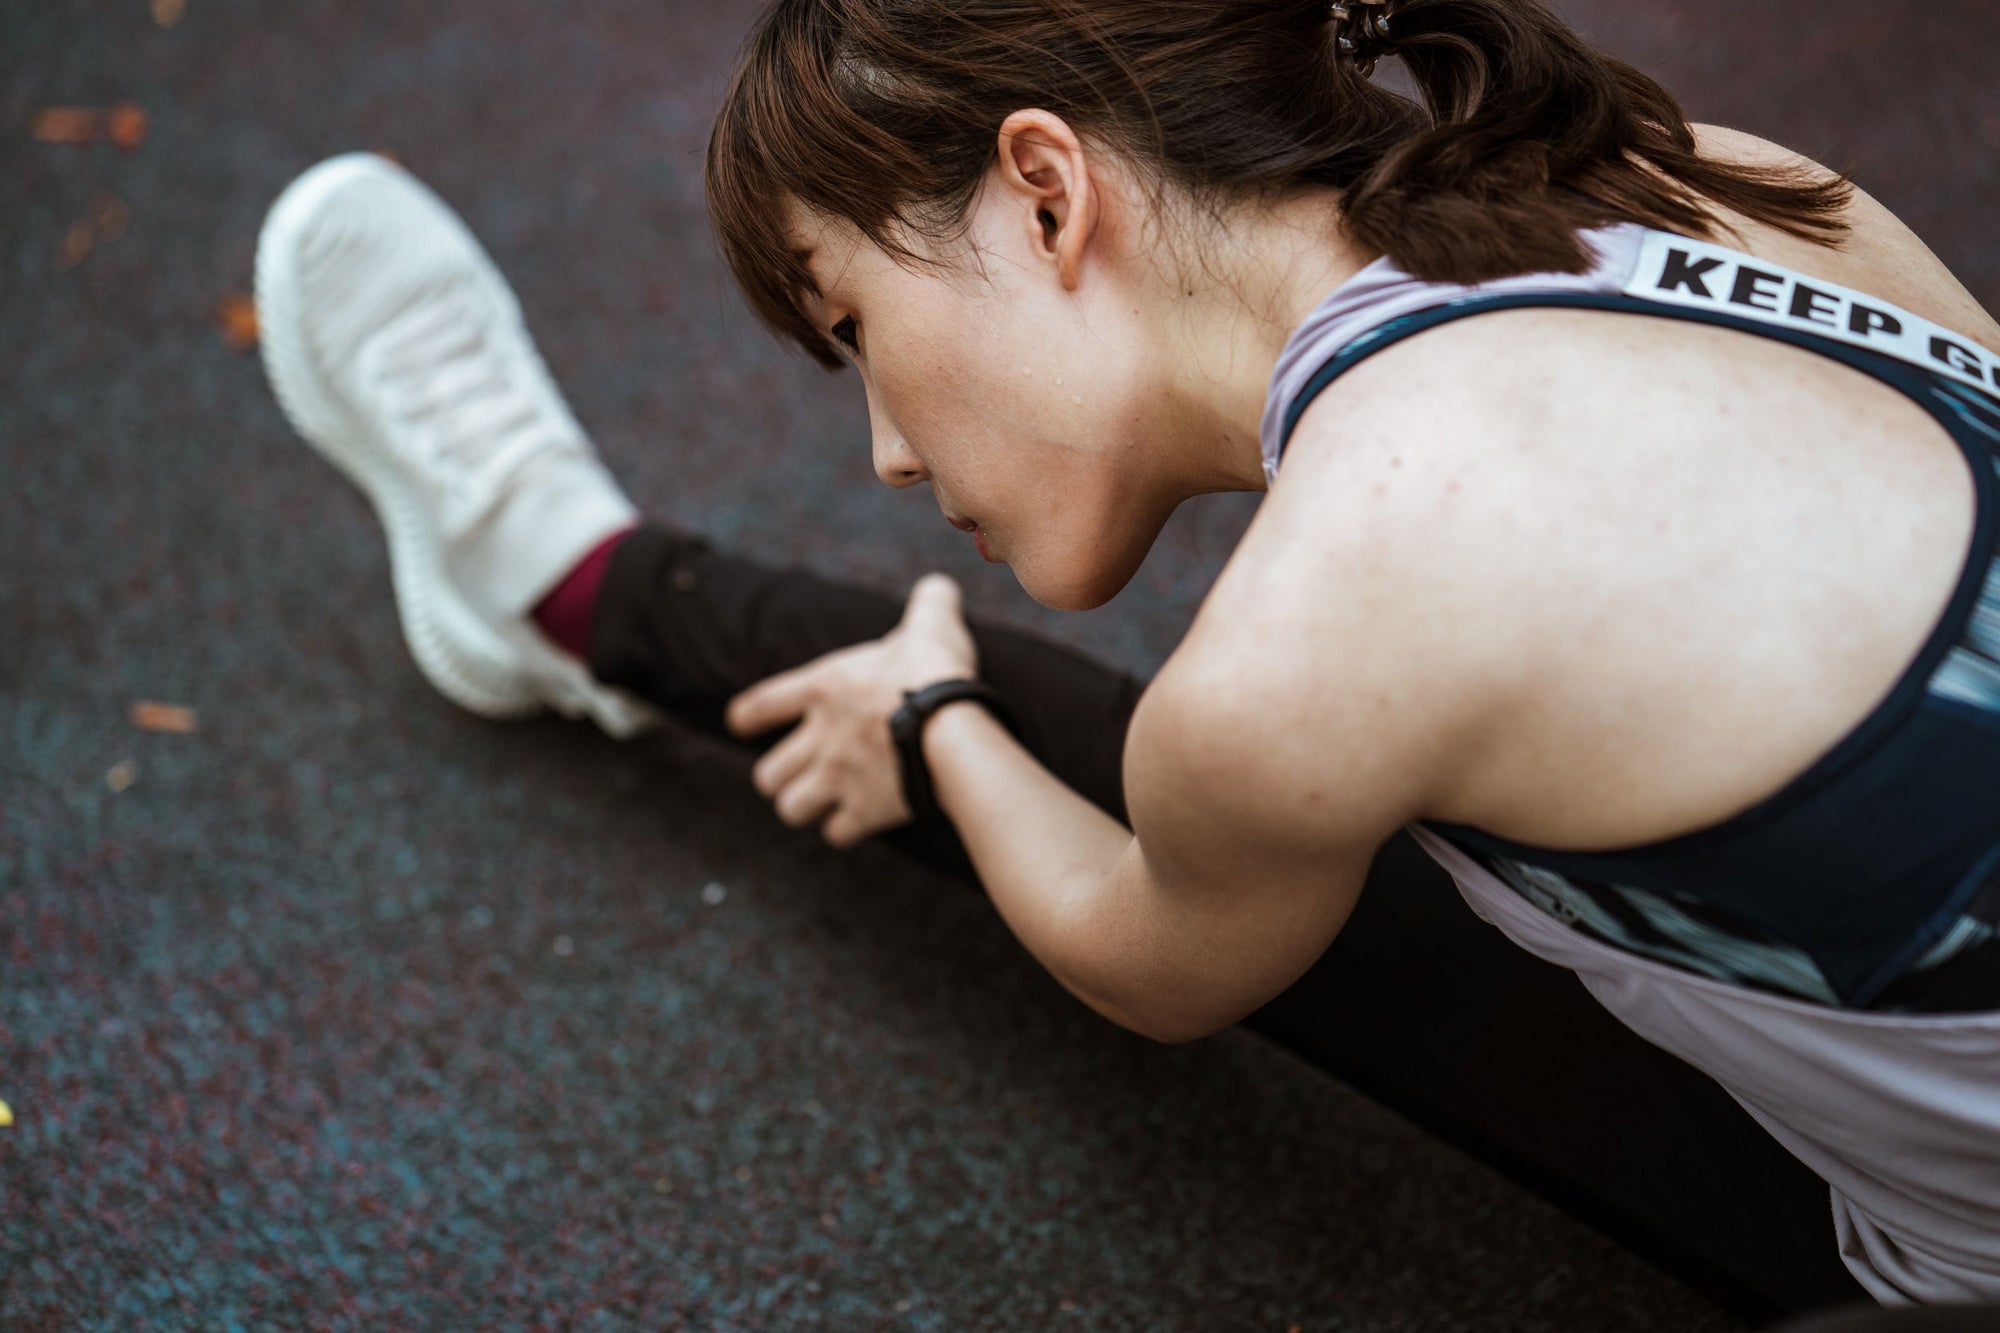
column 886, row 113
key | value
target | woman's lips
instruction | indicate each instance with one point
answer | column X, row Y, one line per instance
column 978, row 537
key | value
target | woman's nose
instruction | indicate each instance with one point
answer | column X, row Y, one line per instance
column 895, row 463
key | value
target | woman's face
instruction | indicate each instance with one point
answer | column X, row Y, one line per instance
column 1032, row 406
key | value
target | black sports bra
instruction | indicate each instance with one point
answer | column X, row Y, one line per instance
column 1872, row 881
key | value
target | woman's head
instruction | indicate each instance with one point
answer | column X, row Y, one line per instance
column 1024, row 364
column 987, row 195
column 978, row 196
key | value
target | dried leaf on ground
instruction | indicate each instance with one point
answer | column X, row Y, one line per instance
column 66, row 124
column 174, row 719
column 127, row 125
column 237, row 315
column 167, row 13
column 76, row 244
column 112, row 216
column 121, row 775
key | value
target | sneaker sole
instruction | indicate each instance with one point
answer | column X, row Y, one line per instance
column 458, row 654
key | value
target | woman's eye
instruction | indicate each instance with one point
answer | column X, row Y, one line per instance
column 845, row 333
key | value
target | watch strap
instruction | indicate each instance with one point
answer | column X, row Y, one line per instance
column 906, row 728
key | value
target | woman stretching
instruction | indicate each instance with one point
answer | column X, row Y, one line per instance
column 1630, row 538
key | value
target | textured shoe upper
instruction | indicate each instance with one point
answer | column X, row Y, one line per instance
column 397, row 348
column 418, row 334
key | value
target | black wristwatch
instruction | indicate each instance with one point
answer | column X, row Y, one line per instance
column 906, row 727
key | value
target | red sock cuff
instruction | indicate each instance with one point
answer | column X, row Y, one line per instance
column 565, row 614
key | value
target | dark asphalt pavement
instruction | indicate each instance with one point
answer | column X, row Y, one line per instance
column 348, row 1010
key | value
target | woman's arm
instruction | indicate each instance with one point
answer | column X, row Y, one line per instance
column 1258, row 795
column 1174, row 933
column 1042, row 851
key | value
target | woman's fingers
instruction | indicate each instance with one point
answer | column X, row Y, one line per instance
column 843, row 829
column 807, row 800
column 772, row 702
column 934, row 602
column 785, row 761
column 807, row 779
column 838, row 769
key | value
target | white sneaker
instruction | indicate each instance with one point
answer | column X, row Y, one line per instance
column 398, row 351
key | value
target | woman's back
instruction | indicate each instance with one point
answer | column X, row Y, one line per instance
column 1707, row 554
column 1706, row 602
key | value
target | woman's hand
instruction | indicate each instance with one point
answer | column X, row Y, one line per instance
column 839, row 768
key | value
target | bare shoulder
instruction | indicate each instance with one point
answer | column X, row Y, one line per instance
column 1341, row 668
column 1721, row 142
column 1881, row 254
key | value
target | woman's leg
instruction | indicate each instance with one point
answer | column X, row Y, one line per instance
column 1427, row 1009
column 686, row 627
column 1419, row 1003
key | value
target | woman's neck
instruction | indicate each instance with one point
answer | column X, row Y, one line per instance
column 1254, row 280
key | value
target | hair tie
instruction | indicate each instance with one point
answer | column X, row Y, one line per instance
column 1361, row 31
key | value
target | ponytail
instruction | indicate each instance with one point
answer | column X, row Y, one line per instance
column 1534, row 136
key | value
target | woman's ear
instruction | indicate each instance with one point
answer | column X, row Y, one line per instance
column 1047, row 176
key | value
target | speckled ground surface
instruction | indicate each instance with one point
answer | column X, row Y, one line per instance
column 349, row 1011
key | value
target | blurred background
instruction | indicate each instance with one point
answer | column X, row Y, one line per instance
column 325, row 1005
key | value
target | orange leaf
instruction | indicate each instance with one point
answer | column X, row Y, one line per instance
column 237, row 314
column 76, row 244
column 126, row 125
column 65, row 124
column 174, row 719
column 112, row 216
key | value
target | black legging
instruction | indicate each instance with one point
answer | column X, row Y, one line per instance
column 1418, row 1003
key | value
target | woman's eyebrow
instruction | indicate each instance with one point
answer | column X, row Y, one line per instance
column 804, row 257
column 807, row 253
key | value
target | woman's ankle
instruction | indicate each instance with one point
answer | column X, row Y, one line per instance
column 564, row 616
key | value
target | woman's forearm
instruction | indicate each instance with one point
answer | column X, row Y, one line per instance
column 1044, row 853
